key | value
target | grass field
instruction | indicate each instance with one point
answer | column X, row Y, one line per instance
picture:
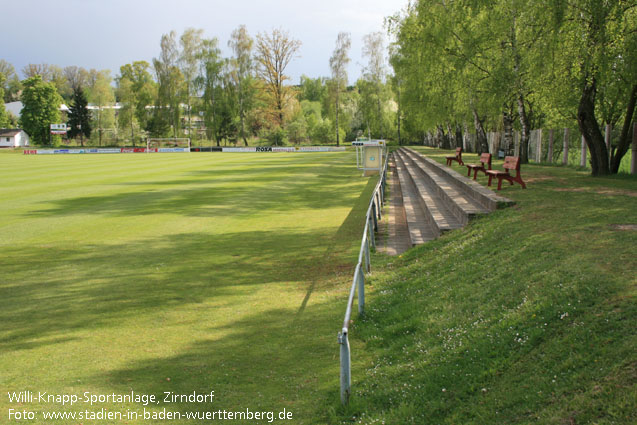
column 177, row 272
column 525, row 316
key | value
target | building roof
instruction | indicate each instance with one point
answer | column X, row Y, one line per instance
column 16, row 107
column 9, row 132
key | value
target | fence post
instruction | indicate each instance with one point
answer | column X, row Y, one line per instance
column 372, row 237
column 565, row 157
column 375, row 219
column 346, row 376
column 633, row 160
column 361, row 290
column 550, row 152
column 368, row 259
column 582, row 161
column 538, row 155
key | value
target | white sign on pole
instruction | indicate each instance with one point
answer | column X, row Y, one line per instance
column 58, row 128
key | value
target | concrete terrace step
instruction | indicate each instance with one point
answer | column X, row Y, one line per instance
column 474, row 190
column 396, row 231
column 463, row 206
column 440, row 217
column 419, row 229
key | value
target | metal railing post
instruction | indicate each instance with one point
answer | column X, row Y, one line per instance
column 375, row 227
column 346, row 376
column 361, row 290
column 372, row 238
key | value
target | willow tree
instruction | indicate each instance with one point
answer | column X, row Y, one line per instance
column 275, row 51
column 590, row 50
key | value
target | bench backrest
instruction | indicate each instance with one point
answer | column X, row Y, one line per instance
column 512, row 163
column 485, row 158
column 458, row 151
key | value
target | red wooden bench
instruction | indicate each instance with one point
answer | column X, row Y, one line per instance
column 457, row 157
column 510, row 163
column 485, row 161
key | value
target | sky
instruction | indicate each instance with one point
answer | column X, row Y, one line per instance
column 105, row 34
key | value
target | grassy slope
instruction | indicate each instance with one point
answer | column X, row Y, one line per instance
column 185, row 272
column 525, row 316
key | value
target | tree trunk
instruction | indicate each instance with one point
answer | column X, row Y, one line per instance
column 526, row 130
column 590, row 130
column 481, row 136
column 132, row 132
column 624, row 138
column 243, row 131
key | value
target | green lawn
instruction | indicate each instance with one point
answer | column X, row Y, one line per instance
column 525, row 316
column 177, row 272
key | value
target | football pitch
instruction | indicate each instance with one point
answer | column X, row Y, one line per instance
column 126, row 276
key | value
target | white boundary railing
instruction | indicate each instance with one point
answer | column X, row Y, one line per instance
column 374, row 213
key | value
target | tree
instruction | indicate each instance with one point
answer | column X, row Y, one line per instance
column 34, row 69
column 374, row 73
column 143, row 88
column 191, row 44
column 128, row 98
column 76, row 77
column 41, row 108
column 312, row 89
column 102, row 96
column 167, row 112
column 338, row 66
column 4, row 118
column 593, row 65
column 210, row 81
column 242, row 70
column 274, row 53
column 79, row 116
column 11, row 84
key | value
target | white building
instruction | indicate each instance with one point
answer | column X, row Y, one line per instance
column 13, row 138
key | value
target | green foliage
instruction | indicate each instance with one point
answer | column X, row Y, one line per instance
column 312, row 89
column 471, row 61
column 274, row 136
column 507, row 320
column 41, row 108
column 79, row 116
column 4, row 117
column 143, row 89
column 297, row 128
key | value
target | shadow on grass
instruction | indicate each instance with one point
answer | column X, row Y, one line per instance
column 221, row 193
column 93, row 285
column 267, row 361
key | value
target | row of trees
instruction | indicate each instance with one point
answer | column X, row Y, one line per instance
column 191, row 90
column 523, row 63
